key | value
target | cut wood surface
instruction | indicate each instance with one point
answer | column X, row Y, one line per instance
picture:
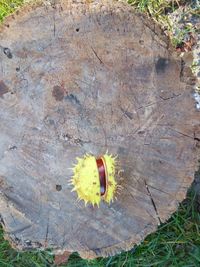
column 82, row 77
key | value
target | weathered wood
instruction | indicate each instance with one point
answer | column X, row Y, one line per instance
column 80, row 78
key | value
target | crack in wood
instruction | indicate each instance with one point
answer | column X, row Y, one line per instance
column 54, row 25
column 97, row 55
column 152, row 201
column 196, row 138
column 159, row 190
column 135, row 200
column 2, row 220
column 127, row 113
column 162, row 100
column 47, row 232
column 170, row 97
column 186, row 135
column 182, row 69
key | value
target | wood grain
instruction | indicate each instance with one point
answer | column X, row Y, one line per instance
column 76, row 78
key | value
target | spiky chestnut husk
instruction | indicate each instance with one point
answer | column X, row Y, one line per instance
column 86, row 180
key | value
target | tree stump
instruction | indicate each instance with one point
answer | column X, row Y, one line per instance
column 82, row 77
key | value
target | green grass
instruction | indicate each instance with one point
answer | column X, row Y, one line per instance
column 8, row 6
column 177, row 242
column 157, row 9
column 160, row 10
